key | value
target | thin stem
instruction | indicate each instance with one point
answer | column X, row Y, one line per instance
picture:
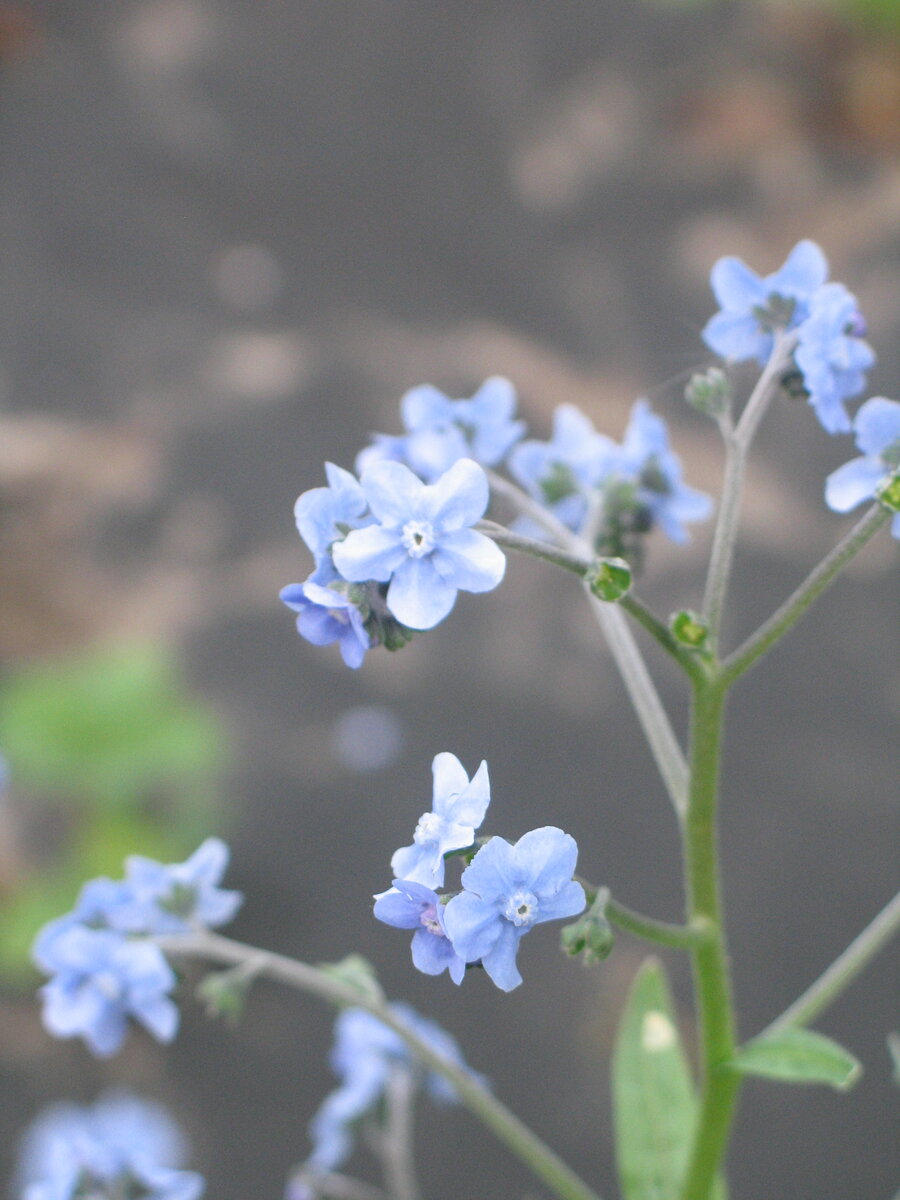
column 396, row 1147
column 648, row 619
column 737, row 445
column 642, row 692
column 535, row 548
column 842, row 972
column 528, row 507
column 515, row 1135
column 661, row 933
column 785, row 617
column 710, row 959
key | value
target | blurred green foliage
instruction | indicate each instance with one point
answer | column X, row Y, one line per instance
column 113, row 758
column 873, row 14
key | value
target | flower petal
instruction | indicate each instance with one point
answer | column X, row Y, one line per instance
column 418, row 597
column 459, row 498
column 472, row 925
column 371, row 553
column 469, row 561
column 877, row 424
column 852, row 483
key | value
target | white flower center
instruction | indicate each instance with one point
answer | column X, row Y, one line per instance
column 521, row 908
column 428, row 829
column 418, row 538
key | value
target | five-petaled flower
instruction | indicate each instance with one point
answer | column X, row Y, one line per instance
column 410, row 905
column 508, row 889
column 457, row 810
column 423, row 544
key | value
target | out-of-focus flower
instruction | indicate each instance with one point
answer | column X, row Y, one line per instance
column 325, row 615
column 877, row 428
column 832, row 355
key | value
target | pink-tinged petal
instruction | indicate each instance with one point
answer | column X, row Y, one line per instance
column 371, row 553
column 394, row 493
column 852, row 483
column 470, row 561
column 418, row 596
column 459, row 498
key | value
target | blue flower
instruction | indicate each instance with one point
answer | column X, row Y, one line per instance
column 561, row 473
column 178, row 897
column 325, row 615
column 324, row 515
column 645, row 459
column 832, row 356
column 509, row 889
column 440, row 431
column 100, row 979
column 424, row 544
column 877, row 428
column 365, row 1054
column 410, row 905
column 752, row 308
column 457, row 810
column 120, row 1146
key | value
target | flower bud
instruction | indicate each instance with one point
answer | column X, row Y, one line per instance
column 609, row 578
column 709, row 393
column 888, row 493
column 690, row 629
column 591, row 935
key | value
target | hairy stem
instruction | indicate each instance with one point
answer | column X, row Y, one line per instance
column 513, row 1133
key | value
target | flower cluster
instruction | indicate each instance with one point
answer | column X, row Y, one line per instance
column 391, row 554
column 365, row 1056
column 506, row 889
column 121, row 1146
column 105, row 967
column 830, row 357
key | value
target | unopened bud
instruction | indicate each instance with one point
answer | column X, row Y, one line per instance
column 224, row 993
column 609, row 578
column 690, row 629
column 709, row 392
column 591, row 935
column 888, row 493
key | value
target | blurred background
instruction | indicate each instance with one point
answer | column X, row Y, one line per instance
column 234, row 232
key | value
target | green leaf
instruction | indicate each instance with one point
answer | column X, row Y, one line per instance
column 653, row 1095
column 798, row 1056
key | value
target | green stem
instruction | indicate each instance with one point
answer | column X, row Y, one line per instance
column 646, row 618
column 537, row 549
column 661, row 933
column 513, row 1133
column 785, row 617
column 644, row 697
column 710, row 959
column 396, row 1147
column 737, row 445
column 836, row 978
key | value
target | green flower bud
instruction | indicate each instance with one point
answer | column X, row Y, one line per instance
column 888, row 493
column 690, row 629
column 591, row 935
column 709, row 393
column 609, row 578
column 224, row 993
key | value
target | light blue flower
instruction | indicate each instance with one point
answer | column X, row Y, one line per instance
column 440, row 431
column 120, row 1146
column 410, row 905
column 646, row 459
column 561, row 473
column 175, row 898
column 832, row 356
column 325, row 615
column 752, row 308
column 877, row 428
column 457, row 810
column 324, row 515
column 365, row 1053
column 423, row 544
column 507, row 890
column 100, row 978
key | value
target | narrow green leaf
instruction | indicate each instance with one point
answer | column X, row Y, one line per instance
column 653, row 1097
column 798, row 1056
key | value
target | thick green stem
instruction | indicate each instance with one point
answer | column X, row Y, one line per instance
column 661, row 933
column 710, row 959
column 513, row 1133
